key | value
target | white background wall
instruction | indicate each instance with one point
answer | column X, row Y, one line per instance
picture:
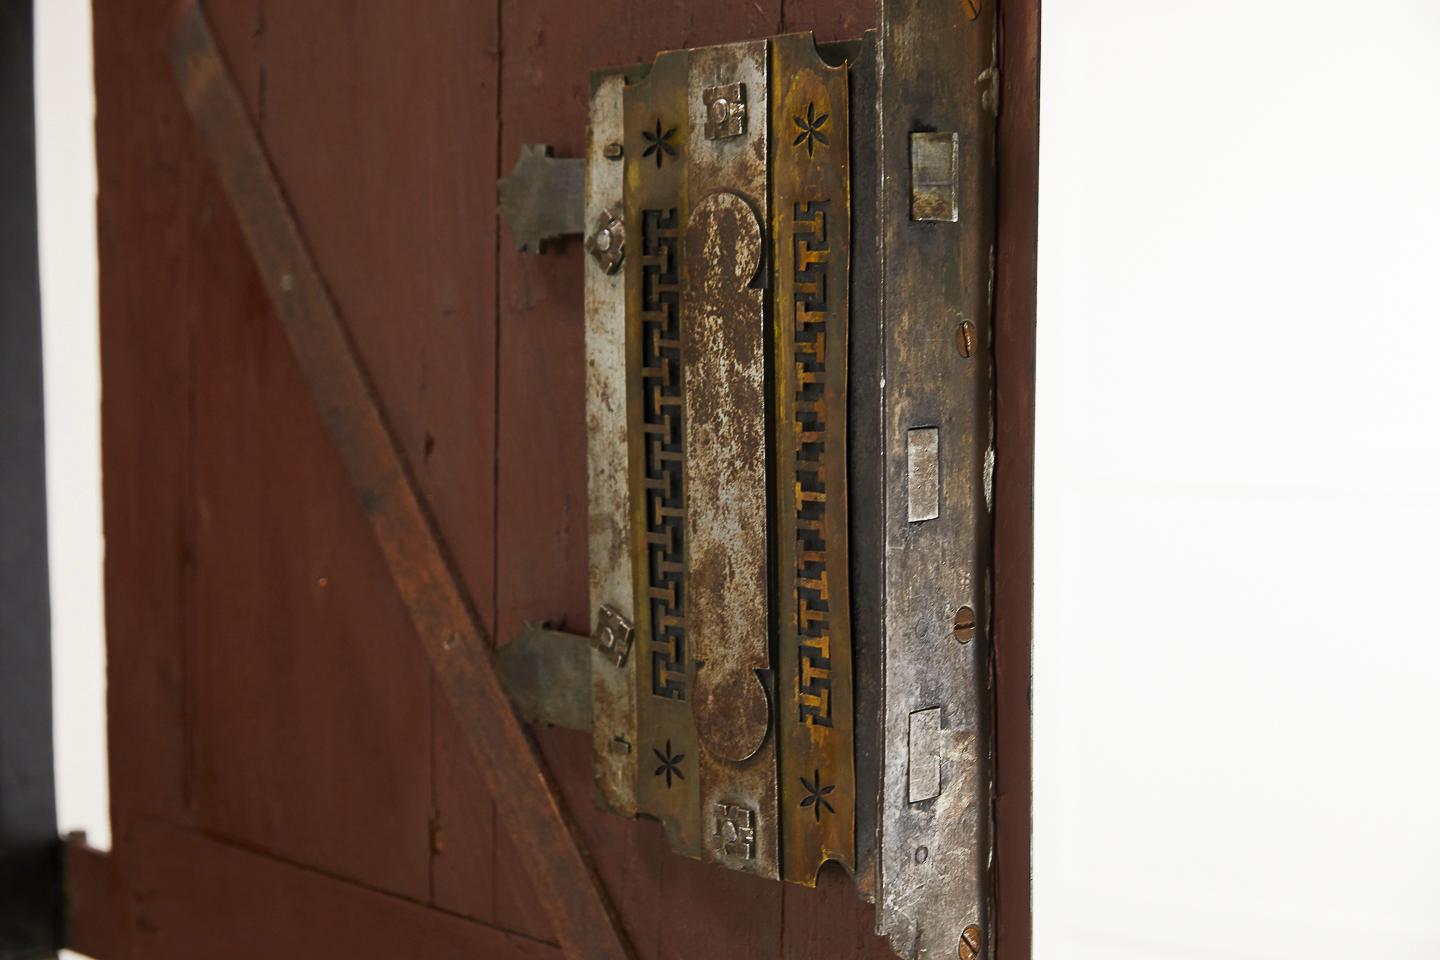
column 1237, row 658
column 65, row 148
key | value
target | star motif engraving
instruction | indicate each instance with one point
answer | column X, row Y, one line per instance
column 815, row 795
column 810, row 130
column 669, row 764
column 660, row 145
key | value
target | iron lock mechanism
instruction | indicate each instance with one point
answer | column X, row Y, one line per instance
column 787, row 312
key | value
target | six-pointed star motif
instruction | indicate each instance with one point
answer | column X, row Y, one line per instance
column 810, row 130
column 660, row 145
column 669, row 764
column 815, row 795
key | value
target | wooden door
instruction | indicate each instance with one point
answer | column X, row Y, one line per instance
column 286, row 778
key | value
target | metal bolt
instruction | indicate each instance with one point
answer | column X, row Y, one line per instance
column 614, row 151
column 607, row 242
column 965, row 338
column 965, row 624
column 971, row 8
column 970, row 943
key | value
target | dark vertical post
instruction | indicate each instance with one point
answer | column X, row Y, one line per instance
column 1017, row 213
column 30, row 890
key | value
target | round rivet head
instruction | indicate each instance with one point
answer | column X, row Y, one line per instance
column 602, row 240
column 719, row 110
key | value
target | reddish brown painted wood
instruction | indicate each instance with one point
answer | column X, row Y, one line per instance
column 225, row 505
column 195, row 897
column 150, row 192
column 1018, row 147
column 831, row 921
column 419, row 564
column 94, row 900
column 831, row 19
column 438, row 366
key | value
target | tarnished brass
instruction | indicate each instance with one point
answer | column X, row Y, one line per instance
column 811, row 238
column 787, row 318
column 657, row 139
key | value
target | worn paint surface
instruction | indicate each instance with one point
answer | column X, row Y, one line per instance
column 438, row 605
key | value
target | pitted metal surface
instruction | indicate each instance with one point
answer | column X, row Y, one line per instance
column 612, row 691
column 723, row 347
column 934, row 882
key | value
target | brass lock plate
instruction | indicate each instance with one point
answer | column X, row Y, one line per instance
column 787, row 302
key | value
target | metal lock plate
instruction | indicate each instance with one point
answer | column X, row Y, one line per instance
column 789, row 453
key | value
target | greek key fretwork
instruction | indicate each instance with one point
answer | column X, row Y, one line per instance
column 812, row 592
column 664, row 450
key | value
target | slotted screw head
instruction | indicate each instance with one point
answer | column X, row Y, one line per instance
column 965, row 624
column 965, row 338
column 970, row 943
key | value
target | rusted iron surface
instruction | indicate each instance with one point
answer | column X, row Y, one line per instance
column 722, row 344
column 656, row 151
column 810, row 117
column 607, row 445
column 443, row 616
column 546, row 674
column 543, row 198
column 723, row 337
column 865, row 474
column 937, row 78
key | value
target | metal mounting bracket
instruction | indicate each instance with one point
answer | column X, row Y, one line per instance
column 790, row 446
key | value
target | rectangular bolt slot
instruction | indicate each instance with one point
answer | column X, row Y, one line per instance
column 935, row 176
column 924, row 755
column 923, row 467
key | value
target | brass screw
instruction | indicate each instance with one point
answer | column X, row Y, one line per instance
column 971, row 7
column 970, row 943
column 965, row 338
column 965, row 624
column 613, row 151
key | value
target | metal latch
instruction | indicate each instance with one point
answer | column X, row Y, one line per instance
column 787, row 311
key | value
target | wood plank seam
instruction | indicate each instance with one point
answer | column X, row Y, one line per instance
column 418, row 559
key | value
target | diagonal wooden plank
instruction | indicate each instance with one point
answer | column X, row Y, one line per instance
column 444, row 618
